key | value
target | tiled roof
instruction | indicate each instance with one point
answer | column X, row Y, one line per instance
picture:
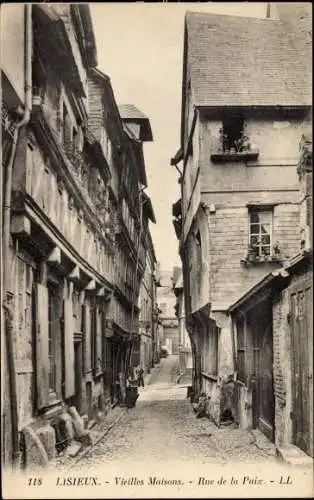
column 239, row 61
column 129, row 112
column 148, row 208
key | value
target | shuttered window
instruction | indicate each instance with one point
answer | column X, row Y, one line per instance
column 42, row 349
column 68, row 344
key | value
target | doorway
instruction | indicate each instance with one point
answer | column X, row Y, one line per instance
column 263, row 400
column 78, row 370
column 301, row 322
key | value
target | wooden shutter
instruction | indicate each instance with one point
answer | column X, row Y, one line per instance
column 42, row 358
column 69, row 387
column 87, row 339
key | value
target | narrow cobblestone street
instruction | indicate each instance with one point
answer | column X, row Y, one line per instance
column 163, row 427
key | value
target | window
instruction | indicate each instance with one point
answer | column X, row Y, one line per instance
column 198, row 251
column 75, row 137
column 240, row 349
column 260, row 243
column 232, row 133
column 66, row 126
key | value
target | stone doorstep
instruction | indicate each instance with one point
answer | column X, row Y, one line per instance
column 74, row 449
column 291, row 454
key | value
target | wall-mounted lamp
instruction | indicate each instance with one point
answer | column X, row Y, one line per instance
column 212, row 208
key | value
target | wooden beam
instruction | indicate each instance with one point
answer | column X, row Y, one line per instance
column 74, row 274
column 55, row 256
column 82, row 297
column 20, row 224
column 91, row 285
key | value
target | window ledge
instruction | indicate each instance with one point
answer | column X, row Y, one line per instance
column 256, row 260
column 234, row 157
column 239, row 382
column 210, row 376
column 53, row 407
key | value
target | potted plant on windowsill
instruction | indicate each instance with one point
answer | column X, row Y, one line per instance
column 253, row 254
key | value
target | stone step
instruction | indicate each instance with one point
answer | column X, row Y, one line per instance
column 291, row 454
column 74, row 449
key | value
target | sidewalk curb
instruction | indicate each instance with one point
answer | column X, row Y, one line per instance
column 104, row 433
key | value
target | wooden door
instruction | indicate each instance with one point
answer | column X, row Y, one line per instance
column 262, row 380
column 301, row 322
column 78, row 364
column 266, row 389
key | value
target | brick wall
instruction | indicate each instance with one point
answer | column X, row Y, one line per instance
column 285, row 223
column 228, row 236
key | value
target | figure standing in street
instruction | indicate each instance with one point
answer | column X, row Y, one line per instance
column 140, row 377
column 122, row 386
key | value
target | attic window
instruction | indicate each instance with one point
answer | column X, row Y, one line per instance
column 233, row 131
column 233, row 143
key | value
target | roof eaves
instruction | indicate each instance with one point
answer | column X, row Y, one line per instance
column 91, row 49
column 184, row 68
column 148, row 207
column 278, row 274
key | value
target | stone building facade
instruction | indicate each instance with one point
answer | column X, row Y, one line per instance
column 238, row 215
column 168, row 321
column 280, row 307
column 145, row 355
column 185, row 352
column 73, row 179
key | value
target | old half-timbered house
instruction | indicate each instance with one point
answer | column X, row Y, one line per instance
column 15, row 107
column 143, row 352
column 134, row 215
column 62, row 244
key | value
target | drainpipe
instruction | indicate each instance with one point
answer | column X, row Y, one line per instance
column 6, row 236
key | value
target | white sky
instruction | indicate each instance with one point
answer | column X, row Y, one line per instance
column 140, row 47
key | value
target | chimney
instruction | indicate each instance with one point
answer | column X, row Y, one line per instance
column 268, row 10
column 271, row 11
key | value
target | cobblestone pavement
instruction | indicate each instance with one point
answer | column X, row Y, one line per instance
column 163, row 427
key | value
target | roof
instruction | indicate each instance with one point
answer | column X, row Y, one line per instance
column 131, row 114
column 91, row 49
column 148, row 208
column 139, row 156
column 242, row 61
column 106, row 82
column 177, row 208
column 280, row 274
column 179, row 283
